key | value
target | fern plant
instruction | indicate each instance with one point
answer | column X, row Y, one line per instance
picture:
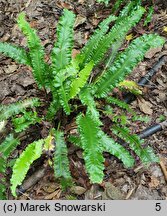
column 75, row 94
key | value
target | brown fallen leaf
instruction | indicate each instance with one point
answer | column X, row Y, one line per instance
column 154, row 182
column 64, row 5
column 95, row 192
column 81, row 1
column 162, row 96
column 145, row 106
column 78, row 190
column 10, row 69
column 163, row 168
column 55, row 195
column 51, row 187
column 79, row 20
column 152, row 52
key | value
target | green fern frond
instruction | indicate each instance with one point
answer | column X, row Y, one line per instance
column 2, row 191
column 16, row 53
column 114, row 148
column 7, row 111
column 22, row 164
column 125, row 62
column 117, row 5
column 89, row 49
column 8, row 145
column 145, row 119
column 6, row 148
column 129, row 8
column 92, row 149
column 61, row 53
column 36, row 51
column 125, row 106
column 64, row 98
column 53, row 108
column 22, row 123
column 149, row 15
column 117, row 33
column 61, row 163
column 70, row 71
column 81, row 80
column 145, row 154
column 88, row 100
column 122, row 120
column 75, row 140
column 119, row 103
column 2, row 164
column 149, row 156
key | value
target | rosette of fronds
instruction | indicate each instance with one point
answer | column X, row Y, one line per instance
column 75, row 90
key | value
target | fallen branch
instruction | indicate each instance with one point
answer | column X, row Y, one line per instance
column 32, row 180
column 163, row 168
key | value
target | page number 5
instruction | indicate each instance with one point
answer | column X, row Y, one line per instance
column 158, row 206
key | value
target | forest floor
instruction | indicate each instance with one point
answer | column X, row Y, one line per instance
column 16, row 83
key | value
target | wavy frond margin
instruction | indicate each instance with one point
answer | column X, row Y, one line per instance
column 61, row 53
column 125, row 62
column 92, row 149
column 22, row 164
column 7, row 111
column 61, row 162
column 36, row 51
column 15, row 52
